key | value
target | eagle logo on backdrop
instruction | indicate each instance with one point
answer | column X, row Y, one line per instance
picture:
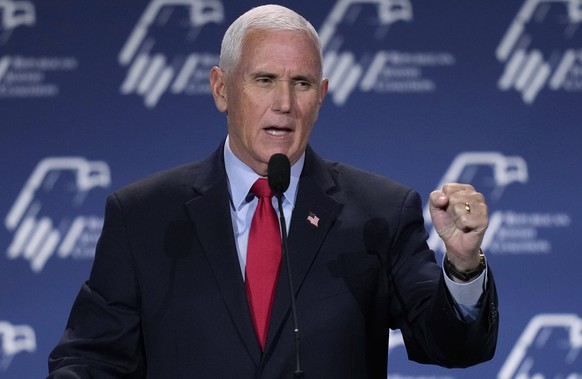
column 375, row 69
column 158, row 52
column 25, row 76
column 509, row 231
column 555, row 338
column 15, row 13
column 47, row 217
column 542, row 48
column 15, row 339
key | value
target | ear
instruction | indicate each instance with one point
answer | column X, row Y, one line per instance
column 323, row 90
column 217, row 85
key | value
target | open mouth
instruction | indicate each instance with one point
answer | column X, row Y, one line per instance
column 278, row 131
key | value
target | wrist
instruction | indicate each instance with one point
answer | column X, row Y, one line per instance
column 464, row 274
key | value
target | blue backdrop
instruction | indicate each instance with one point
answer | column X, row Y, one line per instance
column 96, row 94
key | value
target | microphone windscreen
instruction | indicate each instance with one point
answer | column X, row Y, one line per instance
column 279, row 173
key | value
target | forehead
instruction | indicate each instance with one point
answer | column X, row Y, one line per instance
column 288, row 48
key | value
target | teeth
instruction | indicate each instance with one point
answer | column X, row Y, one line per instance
column 276, row 132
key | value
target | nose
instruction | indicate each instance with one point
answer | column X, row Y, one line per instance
column 283, row 97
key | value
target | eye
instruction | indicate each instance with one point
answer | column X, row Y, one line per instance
column 264, row 80
column 303, row 84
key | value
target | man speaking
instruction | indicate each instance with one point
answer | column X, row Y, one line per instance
column 216, row 270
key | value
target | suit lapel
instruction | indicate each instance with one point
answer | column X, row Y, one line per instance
column 210, row 213
column 305, row 236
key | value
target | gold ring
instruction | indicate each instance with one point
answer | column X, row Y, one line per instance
column 467, row 207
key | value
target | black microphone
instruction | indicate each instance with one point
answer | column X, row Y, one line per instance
column 279, row 173
column 279, row 176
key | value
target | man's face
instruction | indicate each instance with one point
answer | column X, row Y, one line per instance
column 272, row 97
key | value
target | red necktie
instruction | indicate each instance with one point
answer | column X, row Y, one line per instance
column 263, row 260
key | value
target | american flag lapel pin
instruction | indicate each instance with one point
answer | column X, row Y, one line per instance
column 313, row 219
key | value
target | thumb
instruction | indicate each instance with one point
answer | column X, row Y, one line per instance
column 438, row 203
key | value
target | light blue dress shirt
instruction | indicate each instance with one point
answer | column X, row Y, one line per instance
column 242, row 207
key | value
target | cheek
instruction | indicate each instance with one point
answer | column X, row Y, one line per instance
column 309, row 112
column 242, row 113
column 252, row 106
column 305, row 133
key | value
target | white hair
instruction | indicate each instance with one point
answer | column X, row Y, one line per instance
column 265, row 17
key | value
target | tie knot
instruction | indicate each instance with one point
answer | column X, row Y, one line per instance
column 261, row 188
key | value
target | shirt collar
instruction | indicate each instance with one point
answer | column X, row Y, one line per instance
column 241, row 178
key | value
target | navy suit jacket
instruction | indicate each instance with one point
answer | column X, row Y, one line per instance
column 166, row 298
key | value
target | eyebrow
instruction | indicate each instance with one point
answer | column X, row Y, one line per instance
column 270, row 75
column 265, row 74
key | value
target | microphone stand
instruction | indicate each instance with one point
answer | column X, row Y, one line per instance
column 298, row 374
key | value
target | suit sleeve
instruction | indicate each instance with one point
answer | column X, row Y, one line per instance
column 102, row 338
column 424, row 308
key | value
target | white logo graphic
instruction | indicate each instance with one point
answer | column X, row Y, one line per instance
column 381, row 71
column 151, row 73
column 55, row 191
column 555, row 338
column 396, row 342
column 509, row 232
column 395, row 339
column 26, row 77
column 527, row 69
column 14, row 339
column 15, row 13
